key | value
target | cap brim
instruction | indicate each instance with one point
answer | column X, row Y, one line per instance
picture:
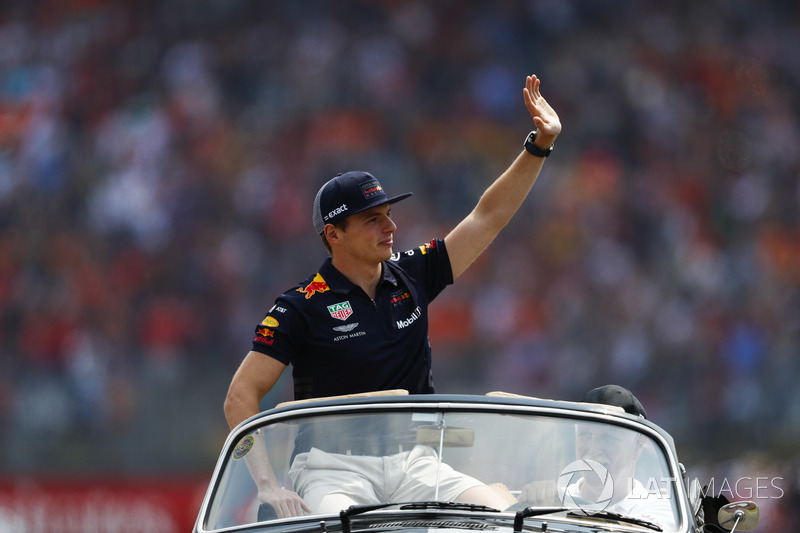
column 392, row 200
column 399, row 197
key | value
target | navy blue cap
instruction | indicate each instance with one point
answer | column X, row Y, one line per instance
column 347, row 194
column 616, row 395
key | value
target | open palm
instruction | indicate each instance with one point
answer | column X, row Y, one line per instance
column 545, row 118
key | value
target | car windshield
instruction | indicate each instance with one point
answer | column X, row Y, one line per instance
column 337, row 458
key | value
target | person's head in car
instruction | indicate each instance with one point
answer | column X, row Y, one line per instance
column 616, row 448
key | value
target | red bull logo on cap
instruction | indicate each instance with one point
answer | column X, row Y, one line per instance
column 371, row 189
column 318, row 284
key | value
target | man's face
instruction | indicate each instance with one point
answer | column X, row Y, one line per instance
column 617, row 449
column 368, row 236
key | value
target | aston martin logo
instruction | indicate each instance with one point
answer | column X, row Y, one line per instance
column 346, row 327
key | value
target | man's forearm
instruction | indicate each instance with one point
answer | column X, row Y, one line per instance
column 503, row 198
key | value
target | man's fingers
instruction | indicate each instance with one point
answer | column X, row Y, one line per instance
column 535, row 85
column 532, row 84
column 288, row 503
column 539, row 492
column 296, row 505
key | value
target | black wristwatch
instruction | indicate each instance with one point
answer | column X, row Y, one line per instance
column 535, row 150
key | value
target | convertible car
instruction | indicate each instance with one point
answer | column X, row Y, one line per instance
column 394, row 462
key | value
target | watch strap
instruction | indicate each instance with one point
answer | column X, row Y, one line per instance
column 535, row 150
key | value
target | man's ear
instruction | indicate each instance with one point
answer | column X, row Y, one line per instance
column 331, row 233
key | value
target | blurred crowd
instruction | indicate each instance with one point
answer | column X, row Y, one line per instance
column 158, row 160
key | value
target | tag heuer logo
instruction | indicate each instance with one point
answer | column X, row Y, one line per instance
column 342, row 310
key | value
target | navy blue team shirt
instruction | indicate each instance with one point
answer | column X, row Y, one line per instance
column 339, row 341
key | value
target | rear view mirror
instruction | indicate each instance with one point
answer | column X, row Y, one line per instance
column 738, row 516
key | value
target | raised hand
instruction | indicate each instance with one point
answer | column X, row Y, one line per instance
column 544, row 116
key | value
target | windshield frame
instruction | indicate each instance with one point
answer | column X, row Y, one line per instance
column 296, row 411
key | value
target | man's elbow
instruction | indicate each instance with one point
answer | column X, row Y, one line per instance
column 233, row 406
column 227, row 409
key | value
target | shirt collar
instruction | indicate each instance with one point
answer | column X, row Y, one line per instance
column 338, row 282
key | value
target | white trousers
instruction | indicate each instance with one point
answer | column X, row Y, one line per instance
column 331, row 482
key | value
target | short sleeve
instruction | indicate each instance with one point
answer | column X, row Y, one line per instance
column 429, row 265
column 280, row 333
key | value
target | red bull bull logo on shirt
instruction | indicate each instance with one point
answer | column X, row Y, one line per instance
column 318, row 284
column 265, row 332
column 264, row 336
